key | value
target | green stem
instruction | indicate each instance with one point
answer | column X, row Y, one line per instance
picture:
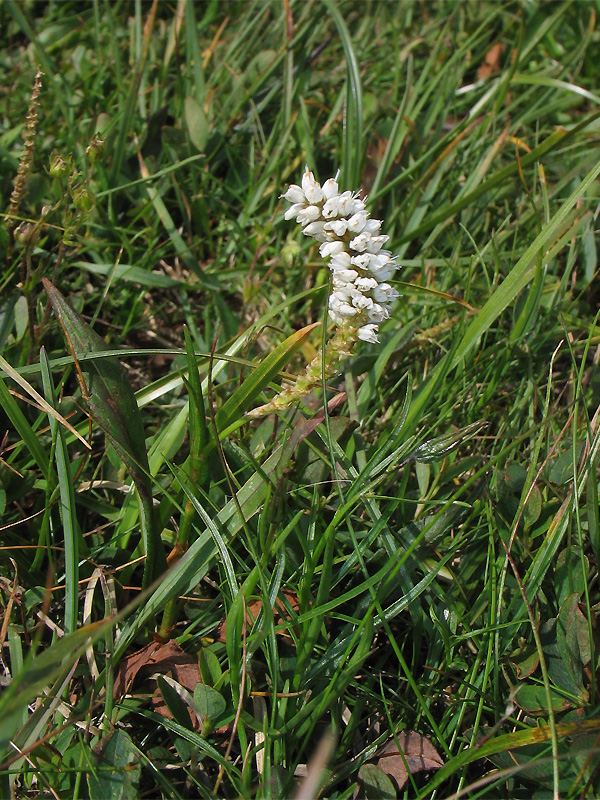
column 321, row 367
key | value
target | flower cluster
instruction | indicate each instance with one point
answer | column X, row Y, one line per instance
column 361, row 298
column 360, row 267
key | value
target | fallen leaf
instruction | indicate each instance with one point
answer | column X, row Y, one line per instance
column 167, row 659
column 164, row 659
column 253, row 609
column 409, row 752
column 491, row 62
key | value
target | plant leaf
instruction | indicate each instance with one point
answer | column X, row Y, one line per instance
column 208, row 702
column 408, row 752
column 113, row 407
column 118, row 769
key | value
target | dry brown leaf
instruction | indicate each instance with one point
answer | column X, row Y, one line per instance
column 253, row 610
column 491, row 62
column 416, row 753
column 165, row 659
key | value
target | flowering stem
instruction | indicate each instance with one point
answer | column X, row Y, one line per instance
column 322, row 365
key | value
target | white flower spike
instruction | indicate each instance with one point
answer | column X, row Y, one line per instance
column 360, row 267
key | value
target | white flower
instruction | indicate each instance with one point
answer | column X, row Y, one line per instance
column 365, row 284
column 380, row 265
column 343, row 276
column 368, row 333
column 337, row 226
column 361, row 301
column 311, row 188
column 308, row 214
column 375, row 243
column 384, row 293
column 294, row 195
column 379, row 260
column 359, row 267
column 331, row 249
column 331, row 207
column 373, row 226
column 357, row 221
column 294, row 209
column 377, row 313
column 314, row 229
column 338, row 302
column 385, row 273
column 330, row 187
column 340, row 261
column 360, row 242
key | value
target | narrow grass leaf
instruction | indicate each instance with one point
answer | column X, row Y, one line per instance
column 353, row 139
column 24, row 429
column 196, row 562
column 551, row 142
column 39, row 672
column 17, row 378
column 68, row 513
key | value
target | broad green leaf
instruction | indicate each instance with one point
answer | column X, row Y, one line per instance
column 209, row 703
column 106, row 388
column 117, row 769
column 210, row 667
column 113, row 407
column 533, row 507
column 573, row 636
column 175, row 704
column 375, row 784
column 570, row 573
column 533, row 699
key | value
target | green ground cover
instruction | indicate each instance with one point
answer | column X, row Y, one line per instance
column 390, row 593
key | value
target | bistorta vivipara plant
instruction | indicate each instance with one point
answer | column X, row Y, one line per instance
column 360, row 296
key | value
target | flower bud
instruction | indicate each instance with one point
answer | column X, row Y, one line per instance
column 60, row 167
column 290, row 253
column 26, row 234
column 95, row 148
column 83, row 199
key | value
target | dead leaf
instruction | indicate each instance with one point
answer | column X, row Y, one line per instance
column 167, row 659
column 408, row 752
column 253, row 609
column 491, row 62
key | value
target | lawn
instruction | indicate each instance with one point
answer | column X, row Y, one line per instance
column 286, row 515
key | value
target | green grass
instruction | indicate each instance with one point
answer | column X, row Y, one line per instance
column 419, row 555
